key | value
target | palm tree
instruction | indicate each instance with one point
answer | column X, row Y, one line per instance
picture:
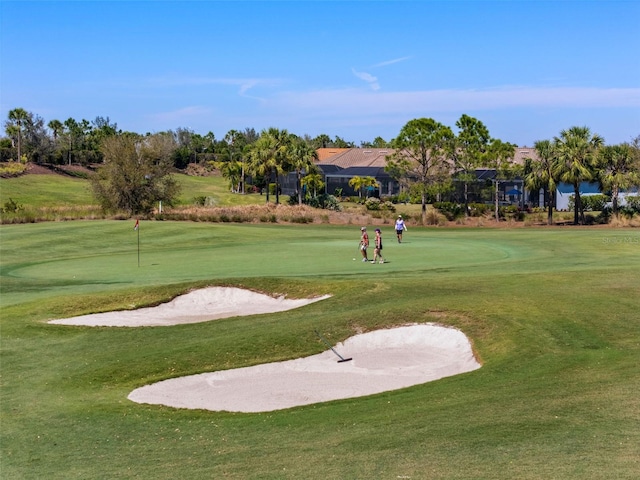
column 231, row 170
column 235, row 141
column 261, row 160
column 357, row 183
column 56, row 127
column 268, row 155
column 577, row 153
column 303, row 158
column 618, row 170
column 540, row 173
column 282, row 155
column 313, row 181
column 17, row 117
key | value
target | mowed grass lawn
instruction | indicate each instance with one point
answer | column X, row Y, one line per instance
column 553, row 315
column 42, row 191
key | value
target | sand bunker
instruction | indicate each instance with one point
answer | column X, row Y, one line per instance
column 198, row 306
column 382, row 360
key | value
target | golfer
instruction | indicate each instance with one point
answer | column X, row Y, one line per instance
column 377, row 251
column 400, row 227
column 364, row 243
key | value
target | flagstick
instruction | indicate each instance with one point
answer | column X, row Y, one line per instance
column 138, row 230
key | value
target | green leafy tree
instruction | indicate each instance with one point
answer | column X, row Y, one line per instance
column 577, row 151
column 136, row 173
column 499, row 157
column 380, row 142
column 540, row 173
column 420, row 156
column 618, row 170
column 467, row 150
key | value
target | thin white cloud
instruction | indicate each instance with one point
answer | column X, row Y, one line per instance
column 243, row 84
column 367, row 77
column 359, row 102
column 390, row 62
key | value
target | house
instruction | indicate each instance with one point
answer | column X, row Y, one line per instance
column 338, row 169
column 338, row 166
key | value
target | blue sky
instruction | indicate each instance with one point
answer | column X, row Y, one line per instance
column 357, row 70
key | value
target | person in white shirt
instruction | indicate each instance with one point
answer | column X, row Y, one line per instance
column 400, row 228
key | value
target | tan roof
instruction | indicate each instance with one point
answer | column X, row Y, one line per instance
column 358, row 157
column 524, row 152
column 324, row 153
column 376, row 157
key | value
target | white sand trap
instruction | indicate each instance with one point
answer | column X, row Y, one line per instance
column 382, row 360
column 198, row 306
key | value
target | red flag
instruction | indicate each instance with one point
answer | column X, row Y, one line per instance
column 137, row 224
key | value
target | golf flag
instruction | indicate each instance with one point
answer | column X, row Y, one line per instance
column 137, row 225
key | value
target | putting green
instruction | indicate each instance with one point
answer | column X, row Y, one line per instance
column 96, row 256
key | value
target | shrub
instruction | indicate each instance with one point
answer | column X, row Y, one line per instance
column 480, row 209
column 435, row 218
column 633, row 203
column 511, row 212
column 590, row 203
column 372, row 203
column 388, row 206
column 326, row 202
column 12, row 169
column 450, row 210
column 10, row 206
column 594, row 203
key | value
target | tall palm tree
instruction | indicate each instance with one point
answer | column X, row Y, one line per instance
column 282, row 140
column 618, row 170
column 17, row 117
column 56, row 127
column 577, row 152
column 268, row 156
column 303, row 158
column 235, row 141
column 540, row 174
column 261, row 160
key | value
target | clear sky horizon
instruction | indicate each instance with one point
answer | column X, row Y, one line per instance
column 357, row 70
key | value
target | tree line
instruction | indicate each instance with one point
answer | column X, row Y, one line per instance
column 429, row 158
column 134, row 170
column 29, row 138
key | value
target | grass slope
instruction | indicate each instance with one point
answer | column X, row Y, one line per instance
column 55, row 190
column 552, row 313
